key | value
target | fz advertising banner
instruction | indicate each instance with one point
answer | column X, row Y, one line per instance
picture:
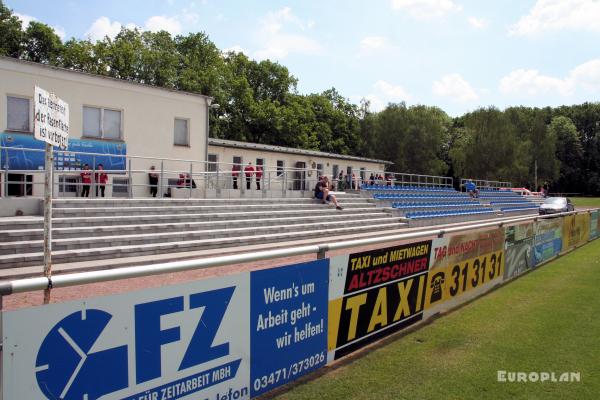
column 548, row 239
column 375, row 293
column 224, row 338
column 463, row 266
column 518, row 240
column 594, row 224
column 289, row 321
column 576, row 230
column 186, row 341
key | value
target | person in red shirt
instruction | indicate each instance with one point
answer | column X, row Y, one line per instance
column 249, row 171
column 235, row 172
column 101, row 179
column 259, row 174
column 86, row 181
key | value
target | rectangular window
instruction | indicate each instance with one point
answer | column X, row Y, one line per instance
column 18, row 114
column 336, row 171
column 319, row 170
column 101, row 123
column 237, row 160
column 363, row 174
column 120, row 187
column 280, row 166
column 182, row 136
column 212, row 163
column 260, row 162
column 67, row 184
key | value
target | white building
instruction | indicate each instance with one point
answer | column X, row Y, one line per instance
column 129, row 127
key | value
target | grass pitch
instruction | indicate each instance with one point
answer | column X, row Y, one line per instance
column 545, row 321
column 586, row 201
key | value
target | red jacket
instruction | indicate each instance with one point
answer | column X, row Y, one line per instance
column 101, row 178
column 86, row 176
column 249, row 170
column 235, row 170
column 259, row 172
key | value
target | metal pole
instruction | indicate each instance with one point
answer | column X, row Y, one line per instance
column 161, row 184
column 191, row 180
column 129, row 188
column 48, row 220
column 94, row 176
column 6, row 176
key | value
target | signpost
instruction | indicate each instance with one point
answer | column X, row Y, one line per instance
column 50, row 125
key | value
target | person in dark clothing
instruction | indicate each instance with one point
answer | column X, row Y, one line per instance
column 259, row 174
column 322, row 193
column 86, row 180
column 101, row 179
column 153, row 180
column 372, row 179
column 249, row 171
column 235, row 172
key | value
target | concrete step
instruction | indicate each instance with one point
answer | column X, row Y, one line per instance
column 77, row 221
column 107, row 252
column 84, row 230
column 135, row 239
column 136, row 210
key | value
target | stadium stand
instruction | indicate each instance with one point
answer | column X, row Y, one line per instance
column 96, row 229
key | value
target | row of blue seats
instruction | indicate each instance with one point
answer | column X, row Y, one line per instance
column 511, row 201
column 500, row 194
column 400, row 187
column 532, row 207
column 447, row 213
column 412, row 204
column 417, row 195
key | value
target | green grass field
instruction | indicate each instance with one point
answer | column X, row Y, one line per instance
column 547, row 320
column 586, row 201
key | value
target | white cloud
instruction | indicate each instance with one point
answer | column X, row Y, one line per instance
column 235, row 48
column 26, row 19
column 162, row 23
column 554, row 15
column 103, row 27
column 383, row 93
column 478, row 23
column 280, row 34
column 584, row 77
column 426, row 9
column 454, row 87
column 373, row 43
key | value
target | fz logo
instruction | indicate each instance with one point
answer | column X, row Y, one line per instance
column 436, row 287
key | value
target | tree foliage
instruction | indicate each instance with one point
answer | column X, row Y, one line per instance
column 259, row 102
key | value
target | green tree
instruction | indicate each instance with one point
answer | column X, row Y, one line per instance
column 570, row 153
column 11, row 34
column 41, row 44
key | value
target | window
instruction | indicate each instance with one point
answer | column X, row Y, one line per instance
column 120, row 187
column 67, row 184
column 363, row 174
column 18, row 114
column 237, row 160
column 280, row 166
column 20, row 185
column 336, row 171
column 101, row 123
column 319, row 170
column 212, row 163
column 182, row 137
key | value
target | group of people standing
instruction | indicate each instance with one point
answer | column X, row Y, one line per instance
column 249, row 172
column 100, row 179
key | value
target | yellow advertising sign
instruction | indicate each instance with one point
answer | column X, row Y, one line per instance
column 576, row 230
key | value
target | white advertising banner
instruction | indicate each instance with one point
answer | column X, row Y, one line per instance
column 187, row 341
column 51, row 119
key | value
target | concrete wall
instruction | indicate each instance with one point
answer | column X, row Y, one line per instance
column 147, row 114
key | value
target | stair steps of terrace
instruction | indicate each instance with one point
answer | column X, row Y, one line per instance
column 98, row 229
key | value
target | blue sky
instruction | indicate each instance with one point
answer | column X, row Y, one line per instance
column 455, row 54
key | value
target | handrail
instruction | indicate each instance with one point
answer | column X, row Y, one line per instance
column 42, row 283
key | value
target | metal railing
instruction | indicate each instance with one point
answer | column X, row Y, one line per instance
column 390, row 178
column 483, row 184
column 66, row 280
column 174, row 177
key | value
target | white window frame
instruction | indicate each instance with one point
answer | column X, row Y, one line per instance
column 187, row 120
column 17, row 96
column 277, row 167
column 102, row 109
column 213, row 166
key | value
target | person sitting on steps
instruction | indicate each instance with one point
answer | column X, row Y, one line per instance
column 322, row 193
